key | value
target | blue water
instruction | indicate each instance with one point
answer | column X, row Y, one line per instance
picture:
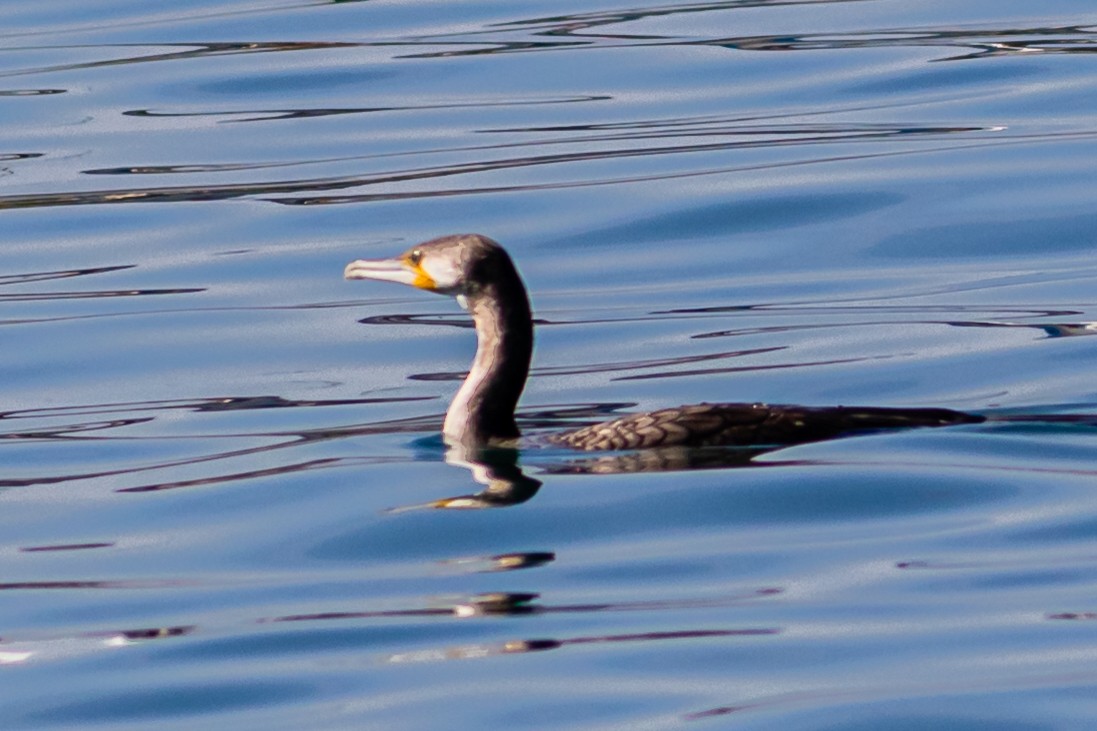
column 221, row 490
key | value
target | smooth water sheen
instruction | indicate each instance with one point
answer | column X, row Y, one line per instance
column 224, row 502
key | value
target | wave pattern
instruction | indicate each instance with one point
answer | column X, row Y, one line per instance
column 223, row 495
column 481, row 169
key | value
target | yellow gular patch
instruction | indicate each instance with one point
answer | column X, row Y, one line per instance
column 422, row 279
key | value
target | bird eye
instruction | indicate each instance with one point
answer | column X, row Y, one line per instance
column 415, row 257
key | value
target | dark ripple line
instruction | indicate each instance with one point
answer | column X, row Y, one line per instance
column 223, row 192
column 180, row 310
column 66, row 431
column 1087, row 421
column 778, row 134
column 230, row 191
column 541, row 644
column 459, row 321
column 1052, row 329
column 284, row 469
column 445, row 319
column 797, row 308
column 976, row 285
column 806, row 42
column 57, row 479
column 572, row 27
column 76, row 431
column 591, row 183
column 967, row 38
column 238, row 190
column 809, row 306
column 31, row 92
column 90, row 584
column 278, row 114
column 1061, row 329
column 675, row 635
column 617, row 366
column 216, row 403
column 1075, row 616
column 54, row 296
column 286, row 439
column 992, row 565
column 983, row 42
column 521, row 603
column 571, row 23
column 769, row 367
column 60, row 274
column 65, row 547
column 733, row 125
column 195, row 50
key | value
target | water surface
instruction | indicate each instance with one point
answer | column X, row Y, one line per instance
column 224, row 500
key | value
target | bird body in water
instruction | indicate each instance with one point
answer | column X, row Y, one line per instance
column 480, row 274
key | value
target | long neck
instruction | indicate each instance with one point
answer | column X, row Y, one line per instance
column 482, row 412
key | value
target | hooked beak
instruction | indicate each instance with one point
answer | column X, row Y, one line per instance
column 400, row 271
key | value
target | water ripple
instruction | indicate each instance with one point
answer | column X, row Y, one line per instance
column 53, row 296
column 880, row 202
column 273, row 440
column 573, row 34
column 261, row 115
column 30, row 92
column 6, row 279
column 192, row 51
column 289, row 190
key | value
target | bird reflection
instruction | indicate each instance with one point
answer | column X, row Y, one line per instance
column 661, row 459
column 506, row 484
column 495, row 468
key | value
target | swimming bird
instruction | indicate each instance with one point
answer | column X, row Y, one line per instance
column 480, row 274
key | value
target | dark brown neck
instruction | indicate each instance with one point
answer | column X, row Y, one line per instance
column 482, row 412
